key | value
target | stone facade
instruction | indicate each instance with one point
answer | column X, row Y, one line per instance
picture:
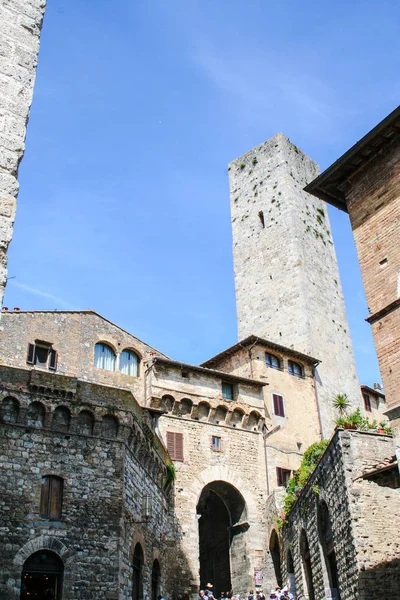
column 374, row 404
column 339, row 534
column 287, row 281
column 20, row 25
column 105, row 449
column 287, row 435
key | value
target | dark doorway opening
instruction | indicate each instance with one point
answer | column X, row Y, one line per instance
column 42, row 576
column 305, row 555
column 222, row 538
column 275, row 550
column 137, row 578
column 155, row 580
column 328, row 549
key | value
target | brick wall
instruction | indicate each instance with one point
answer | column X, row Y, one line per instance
column 20, row 25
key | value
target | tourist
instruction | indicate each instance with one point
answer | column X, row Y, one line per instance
column 209, row 590
column 251, row 595
column 273, row 595
column 286, row 593
column 201, row 595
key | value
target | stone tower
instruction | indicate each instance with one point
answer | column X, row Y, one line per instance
column 20, row 25
column 288, row 288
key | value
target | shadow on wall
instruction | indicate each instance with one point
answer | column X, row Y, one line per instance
column 380, row 581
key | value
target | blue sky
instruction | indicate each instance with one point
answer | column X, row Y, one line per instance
column 138, row 108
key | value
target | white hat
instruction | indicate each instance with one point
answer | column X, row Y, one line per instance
column 285, row 589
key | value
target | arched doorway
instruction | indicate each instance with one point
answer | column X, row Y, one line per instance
column 305, row 555
column 328, row 549
column 137, row 577
column 222, row 515
column 42, row 576
column 275, row 551
column 155, row 580
column 290, row 572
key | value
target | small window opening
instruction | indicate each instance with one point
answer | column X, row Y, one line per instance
column 383, row 262
column 216, row 443
column 367, row 402
column 283, row 476
column 261, row 217
column 185, row 374
column 227, row 391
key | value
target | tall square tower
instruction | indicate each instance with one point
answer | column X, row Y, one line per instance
column 287, row 280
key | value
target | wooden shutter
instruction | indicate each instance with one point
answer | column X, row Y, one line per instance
column 44, row 497
column 279, row 409
column 175, row 445
column 30, row 358
column 53, row 360
column 55, row 497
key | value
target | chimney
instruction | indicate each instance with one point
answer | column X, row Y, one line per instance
column 16, row 309
column 378, row 387
column 4, row 309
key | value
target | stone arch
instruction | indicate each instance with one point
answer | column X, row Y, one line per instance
column 254, row 420
column 220, row 414
column 155, row 579
column 85, row 422
column 9, row 410
column 237, row 417
column 167, row 403
column 327, row 548
column 61, row 419
column 138, row 563
column 42, row 573
column 35, row 414
column 109, row 426
column 186, row 406
column 203, row 411
column 275, row 553
column 306, row 565
column 222, row 527
column 43, row 542
column 291, row 573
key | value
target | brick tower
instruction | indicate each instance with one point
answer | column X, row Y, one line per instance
column 287, row 280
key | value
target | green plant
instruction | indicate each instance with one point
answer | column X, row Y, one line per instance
column 242, row 166
column 170, row 475
column 254, row 161
column 316, row 489
column 341, row 403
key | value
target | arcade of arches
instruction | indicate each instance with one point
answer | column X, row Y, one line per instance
column 222, row 537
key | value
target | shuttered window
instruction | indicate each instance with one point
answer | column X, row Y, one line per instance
column 283, row 476
column 51, row 497
column 42, row 355
column 367, row 402
column 227, row 391
column 175, row 445
column 279, row 408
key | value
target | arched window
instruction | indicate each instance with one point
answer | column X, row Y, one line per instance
column 42, row 576
column 85, row 422
column 51, row 497
column 220, row 414
column 167, row 403
column 272, row 361
column 155, row 580
column 109, row 426
column 295, row 369
column 203, row 410
column 9, row 410
column 35, row 414
column 306, row 560
column 129, row 363
column 104, row 357
column 237, row 417
column 186, row 406
column 253, row 420
column 137, row 579
column 61, row 419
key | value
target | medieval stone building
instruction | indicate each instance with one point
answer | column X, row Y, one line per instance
column 126, row 474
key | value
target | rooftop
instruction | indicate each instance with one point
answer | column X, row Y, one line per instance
column 251, row 341
column 329, row 186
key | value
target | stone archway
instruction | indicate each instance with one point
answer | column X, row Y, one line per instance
column 222, row 515
column 42, row 576
column 275, row 550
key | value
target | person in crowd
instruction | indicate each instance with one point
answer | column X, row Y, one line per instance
column 286, row 593
column 209, row 591
column 273, row 595
column 201, row 595
column 251, row 595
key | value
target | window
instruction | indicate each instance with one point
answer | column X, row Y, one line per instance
column 104, row 357
column 227, row 391
column 185, row 374
column 272, row 361
column 216, row 443
column 283, row 476
column 367, row 402
column 279, row 407
column 51, row 497
column 42, row 355
column 175, row 445
column 129, row 363
column 295, row 369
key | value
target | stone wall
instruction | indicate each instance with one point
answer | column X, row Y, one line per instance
column 287, row 281
column 107, row 464
column 361, row 512
column 73, row 334
column 20, row 25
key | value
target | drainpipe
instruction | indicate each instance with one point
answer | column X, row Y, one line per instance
column 249, row 349
column 265, row 436
column 315, row 373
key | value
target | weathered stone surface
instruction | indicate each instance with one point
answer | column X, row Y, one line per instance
column 287, row 281
column 20, row 25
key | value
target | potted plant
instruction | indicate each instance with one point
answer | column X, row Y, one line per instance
column 383, row 427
